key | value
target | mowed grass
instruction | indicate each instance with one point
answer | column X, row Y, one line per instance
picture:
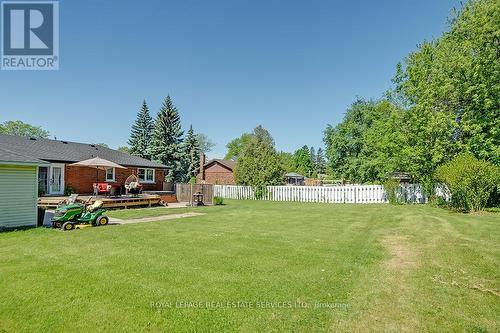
column 259, row 266
column 137, row 213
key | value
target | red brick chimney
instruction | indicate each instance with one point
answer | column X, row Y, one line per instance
column 202, row 166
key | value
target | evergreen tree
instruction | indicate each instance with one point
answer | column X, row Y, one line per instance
column 312, row 154
column 303, row 162
column 140, row 136
column 320, row 162
column 166, row 142
column 192, row 153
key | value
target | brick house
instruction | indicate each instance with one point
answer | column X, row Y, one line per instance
column 58, row 175
column 216, row 171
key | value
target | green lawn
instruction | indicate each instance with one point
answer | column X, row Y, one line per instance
column 259, row 266
column 137, row 213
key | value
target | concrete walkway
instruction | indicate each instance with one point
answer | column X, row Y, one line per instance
column 155, row 218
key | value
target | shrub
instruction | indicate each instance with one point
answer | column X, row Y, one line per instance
column 68, row 190
column 218, row 201
column 437, row 201
column 41, row 192
column 391, row 187
column 260, row 192
column 470, row 181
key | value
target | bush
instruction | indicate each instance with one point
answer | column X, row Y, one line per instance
column 391, row 187
column 260, row 192
column 218, row 201
column 437, row 201
column 68, row 190
column 470, row 181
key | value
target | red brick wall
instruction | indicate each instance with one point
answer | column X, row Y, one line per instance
column 218, row 174
column 82, row 178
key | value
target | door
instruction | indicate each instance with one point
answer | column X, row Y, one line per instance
column 56, row 183
column 43, row 180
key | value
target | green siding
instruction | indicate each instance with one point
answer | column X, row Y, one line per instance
column 18, row 195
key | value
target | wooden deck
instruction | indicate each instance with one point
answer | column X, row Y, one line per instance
column 108, row 202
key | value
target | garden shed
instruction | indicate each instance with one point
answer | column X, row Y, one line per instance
column 18, row 189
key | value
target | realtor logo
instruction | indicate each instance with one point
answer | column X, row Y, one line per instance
column 30, row 35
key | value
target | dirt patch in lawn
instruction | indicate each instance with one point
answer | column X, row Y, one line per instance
column 403, row 256
column 391, row 308
column 155, row 218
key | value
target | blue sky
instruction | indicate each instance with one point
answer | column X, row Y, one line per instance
column 292, row 66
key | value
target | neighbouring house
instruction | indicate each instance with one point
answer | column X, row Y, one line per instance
column 402, row 177
column 294, row 178
column 216, row 171
column 18, row 188
column 57, row 174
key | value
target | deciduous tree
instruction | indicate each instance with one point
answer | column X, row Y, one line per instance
column 23, row 129
column 259, row 163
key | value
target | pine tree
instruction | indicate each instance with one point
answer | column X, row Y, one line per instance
column 320, row 162
column 312, row 154
column 140, row 136
column 192, row 153
column 166, row 142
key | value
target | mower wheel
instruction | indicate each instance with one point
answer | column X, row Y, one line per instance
column 67, row 226
column 102, row 220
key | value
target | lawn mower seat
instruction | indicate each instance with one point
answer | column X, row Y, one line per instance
column 95, row 206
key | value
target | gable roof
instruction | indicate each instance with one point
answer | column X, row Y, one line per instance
column 66, row 151
column 294, row 175
column 230, row 164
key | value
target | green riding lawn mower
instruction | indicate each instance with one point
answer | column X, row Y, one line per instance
column 72, row 215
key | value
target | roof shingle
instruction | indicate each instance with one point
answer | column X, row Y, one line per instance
column 66, row 151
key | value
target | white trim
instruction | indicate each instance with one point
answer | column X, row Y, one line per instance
column 114, row 175
column 36, row 194
column 145, row 173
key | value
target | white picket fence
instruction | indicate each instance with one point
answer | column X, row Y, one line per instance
column 411, row 193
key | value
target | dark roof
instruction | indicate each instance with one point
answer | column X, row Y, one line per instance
column 399, row 175
column 230, row 164
column 7, row 155
column 66, row 151
column 294, row 175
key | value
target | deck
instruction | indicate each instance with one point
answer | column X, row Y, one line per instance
column 108, row 202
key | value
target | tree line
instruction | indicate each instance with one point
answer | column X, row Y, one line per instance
column 445, row 101
column 305, row 160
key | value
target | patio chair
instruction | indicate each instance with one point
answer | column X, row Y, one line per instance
column 101, row 188
column 132, row 185
column 96, row 205
column 69, row 200
column 72, row 198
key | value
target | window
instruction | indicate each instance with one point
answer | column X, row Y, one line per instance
column 146, row 175
column 110, row 174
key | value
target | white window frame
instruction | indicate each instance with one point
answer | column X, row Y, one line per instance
column 145, row 181
column 114, row 175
